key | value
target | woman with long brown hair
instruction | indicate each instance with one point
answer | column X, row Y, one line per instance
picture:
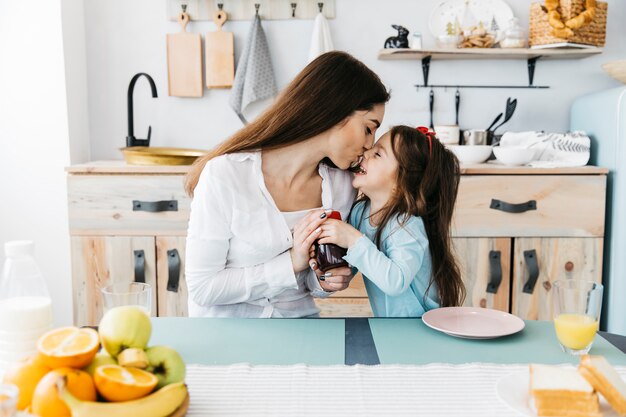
column 260, row 197
column 399, row 231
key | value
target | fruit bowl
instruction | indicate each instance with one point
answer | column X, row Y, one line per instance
column 511, row 155
column 471, row 154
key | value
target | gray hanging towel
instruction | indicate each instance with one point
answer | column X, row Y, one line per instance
column 254, row 79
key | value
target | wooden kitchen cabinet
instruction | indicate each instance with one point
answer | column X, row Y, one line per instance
column 485, row 270
column 116, row 209
column 539, row 262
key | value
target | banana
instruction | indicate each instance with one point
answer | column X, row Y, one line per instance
column 158, row 404
column 133, row 357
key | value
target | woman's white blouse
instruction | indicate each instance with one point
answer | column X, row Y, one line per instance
column 237, row 261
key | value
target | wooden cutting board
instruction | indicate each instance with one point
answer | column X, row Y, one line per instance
column 219, row 55
column 184, row 62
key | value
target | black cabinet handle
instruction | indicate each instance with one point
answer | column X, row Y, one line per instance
column 513, row 208
column 173, row 270
column 140, row 266
column 495, row 272
column 155, row 206
column 530, row 256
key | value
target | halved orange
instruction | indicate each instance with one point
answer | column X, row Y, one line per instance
column 118, row 383
column 68, row 347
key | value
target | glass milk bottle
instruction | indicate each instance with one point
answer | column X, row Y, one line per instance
column 25, row 305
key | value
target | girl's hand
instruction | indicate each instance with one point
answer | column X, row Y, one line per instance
column 339, row 233
column 305, row 232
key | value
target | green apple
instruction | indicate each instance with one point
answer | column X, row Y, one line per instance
column 124, row 327
column 100, row 359
column 166, row 364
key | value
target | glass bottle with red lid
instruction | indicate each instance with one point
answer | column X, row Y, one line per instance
column 329, row 255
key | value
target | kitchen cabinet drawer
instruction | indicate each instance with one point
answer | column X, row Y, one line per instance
column 564, row 205
column 127, row 204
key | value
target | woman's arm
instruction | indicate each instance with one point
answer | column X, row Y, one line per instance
column 208, row 280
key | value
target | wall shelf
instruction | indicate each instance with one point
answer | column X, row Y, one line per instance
column 529, row 54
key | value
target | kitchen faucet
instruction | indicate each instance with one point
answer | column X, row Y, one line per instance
column 130, row 139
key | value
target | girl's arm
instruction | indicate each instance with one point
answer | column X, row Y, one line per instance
column 393, row 272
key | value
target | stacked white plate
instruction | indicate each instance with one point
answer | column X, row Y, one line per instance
column 22, row 321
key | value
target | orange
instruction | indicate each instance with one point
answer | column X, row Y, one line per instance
column 69, row 347
column 26, row 374
column 46, row 399
column 117, row 383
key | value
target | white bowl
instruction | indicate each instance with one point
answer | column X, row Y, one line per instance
column 471, row 154
column 511, row 155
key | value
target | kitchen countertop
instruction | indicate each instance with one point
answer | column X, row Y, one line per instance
column 406, row 341
column 121, row 167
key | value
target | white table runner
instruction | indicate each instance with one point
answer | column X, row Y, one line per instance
column 383, row 390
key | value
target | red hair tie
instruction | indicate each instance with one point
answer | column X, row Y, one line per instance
column 429, row 134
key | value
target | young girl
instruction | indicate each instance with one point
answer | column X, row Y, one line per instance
column 398, row 234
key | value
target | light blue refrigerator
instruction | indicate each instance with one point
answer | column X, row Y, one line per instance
column 603, row 116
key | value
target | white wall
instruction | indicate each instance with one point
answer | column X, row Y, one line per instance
column 125, row 37
column 34, row 144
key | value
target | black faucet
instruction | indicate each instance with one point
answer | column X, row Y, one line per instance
column 130, row 139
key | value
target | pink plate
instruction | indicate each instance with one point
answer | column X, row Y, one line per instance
column 473, row 322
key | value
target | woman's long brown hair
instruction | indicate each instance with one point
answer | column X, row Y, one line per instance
column 427, row 183
column 322, row 95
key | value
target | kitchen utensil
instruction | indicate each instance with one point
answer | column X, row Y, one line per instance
column 457, row 106
column 496, row 120
column 448, row 134
column 473, row 322
column 431, row 106
column 142, row 155
column 475, row 137
column 184, row 61
column 512, row 155
column 452, row 11
column 511, row 105
column 471, row 154
column 219, row 54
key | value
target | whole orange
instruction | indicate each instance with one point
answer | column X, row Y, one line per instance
column 26, row 374
column 46, row 399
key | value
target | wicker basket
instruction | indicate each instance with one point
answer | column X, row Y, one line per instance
column 594, row 33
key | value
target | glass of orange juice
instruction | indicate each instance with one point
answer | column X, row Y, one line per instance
column 127, row 294
column 576, row 311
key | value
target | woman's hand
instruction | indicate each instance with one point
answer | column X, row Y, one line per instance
column 305, row 233
column 339, row 233
column 335, row 279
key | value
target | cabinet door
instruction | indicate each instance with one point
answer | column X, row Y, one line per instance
column 172, row 288
column 98, row 261
column 554, row 259
column 484, row 262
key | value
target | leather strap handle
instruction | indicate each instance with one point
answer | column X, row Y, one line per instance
column 495, row 272
column 155, row 206
column 173, row 270
column 140, row 266
column 513, row 208
column 530, row 256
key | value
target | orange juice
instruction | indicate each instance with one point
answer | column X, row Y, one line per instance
column 575, row 331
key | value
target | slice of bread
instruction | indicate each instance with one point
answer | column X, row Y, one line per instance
column 559, row 391
column 601, row 375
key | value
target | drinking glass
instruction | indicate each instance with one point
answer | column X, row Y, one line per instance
column 8, row 400
column 576, row 311
column 127, row 294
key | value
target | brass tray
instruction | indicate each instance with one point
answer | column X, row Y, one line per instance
column 145, row 155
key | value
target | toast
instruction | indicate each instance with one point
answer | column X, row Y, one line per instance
column 601, row 375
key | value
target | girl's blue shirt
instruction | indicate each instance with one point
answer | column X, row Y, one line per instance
column 396, row 277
